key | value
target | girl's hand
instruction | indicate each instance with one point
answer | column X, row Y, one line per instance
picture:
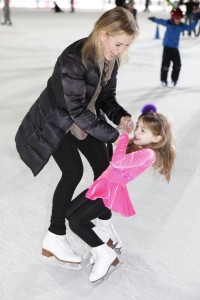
column 127, row 124
column 121, row 131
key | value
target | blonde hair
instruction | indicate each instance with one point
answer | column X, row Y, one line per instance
column 114, row 22
column 165, row 149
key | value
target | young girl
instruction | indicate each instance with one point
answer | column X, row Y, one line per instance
column 151, row 146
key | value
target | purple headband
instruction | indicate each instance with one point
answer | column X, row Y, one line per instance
column 152, row 108
column 149, row 107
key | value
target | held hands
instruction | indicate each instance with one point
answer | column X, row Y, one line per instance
column 126, row 123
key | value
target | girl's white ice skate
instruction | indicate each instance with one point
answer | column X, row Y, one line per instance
column 104, row 237
column 107, row 227
column 104, row 258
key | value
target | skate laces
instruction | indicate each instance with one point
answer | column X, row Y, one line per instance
column 97, row 263
column 63, row 243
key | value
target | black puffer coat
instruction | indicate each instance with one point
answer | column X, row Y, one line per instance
column 64, row 101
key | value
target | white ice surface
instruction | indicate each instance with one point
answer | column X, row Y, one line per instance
column 161, row 243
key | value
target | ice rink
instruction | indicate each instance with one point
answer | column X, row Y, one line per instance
column 161, row 243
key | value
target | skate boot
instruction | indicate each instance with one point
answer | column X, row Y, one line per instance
column 105, row 257
column 59, row 247
column 104, row 237
column 174, row 83
column 107, row 227
column 164, row 83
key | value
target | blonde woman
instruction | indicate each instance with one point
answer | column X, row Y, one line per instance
column 69, row 116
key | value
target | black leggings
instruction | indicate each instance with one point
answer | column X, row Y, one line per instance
column 170, row 55
column 80, row 212
column 69, row 161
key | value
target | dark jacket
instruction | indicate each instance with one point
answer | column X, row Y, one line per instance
column 64, row 101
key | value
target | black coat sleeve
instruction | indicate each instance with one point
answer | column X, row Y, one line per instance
column 74, row 89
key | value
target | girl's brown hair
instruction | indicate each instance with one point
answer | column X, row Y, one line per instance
column 114, row 22
column 165, row 150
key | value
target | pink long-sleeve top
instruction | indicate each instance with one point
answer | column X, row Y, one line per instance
column 111, row 185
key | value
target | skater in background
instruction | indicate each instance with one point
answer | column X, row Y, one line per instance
column 152, row 145
column 72, row 6
column 191, row 6
column 69, row 116
column 6, row 12
column 147, row 3
column 196, row 16
column 130, row 6
column 120, row 3
column 171, row 53
column 57, row 8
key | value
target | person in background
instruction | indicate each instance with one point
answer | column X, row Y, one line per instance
column 72, row 6
column 131, row 7
column 120, row 3
column 190, row 7
column 152, row 145
column 171, row 53
column 57, row 8
column 147, row 3
column 6, row 12
column 196, row 15
column 70, row 116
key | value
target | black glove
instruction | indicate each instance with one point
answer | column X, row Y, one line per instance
column 152, row 19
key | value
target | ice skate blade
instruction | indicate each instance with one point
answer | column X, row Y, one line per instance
column 47, row 253
column 52, row 261
column 111, row 270
column 117, row 250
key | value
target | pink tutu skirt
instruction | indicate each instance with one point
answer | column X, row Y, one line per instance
column 114, row 196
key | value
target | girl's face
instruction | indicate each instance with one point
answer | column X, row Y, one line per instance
column 114, row 46
column 143, row 136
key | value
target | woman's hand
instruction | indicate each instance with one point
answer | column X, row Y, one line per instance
column 121, row 129
column 127, row 124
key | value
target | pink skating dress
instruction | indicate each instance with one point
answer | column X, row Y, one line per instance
column 111, row 185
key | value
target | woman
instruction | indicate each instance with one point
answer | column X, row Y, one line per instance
column 69, row 116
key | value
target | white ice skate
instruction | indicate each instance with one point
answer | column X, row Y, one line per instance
column 57, row 251
column 105, row 257
column 107, row 227
column 105, row 239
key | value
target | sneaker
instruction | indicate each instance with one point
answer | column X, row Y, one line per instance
column 107, row 227
column 174, row 83
column 59, row 247
column 164, row 83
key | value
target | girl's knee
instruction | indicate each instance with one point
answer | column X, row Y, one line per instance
column 73, row 224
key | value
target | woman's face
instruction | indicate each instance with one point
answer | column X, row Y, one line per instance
column 114, row 46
